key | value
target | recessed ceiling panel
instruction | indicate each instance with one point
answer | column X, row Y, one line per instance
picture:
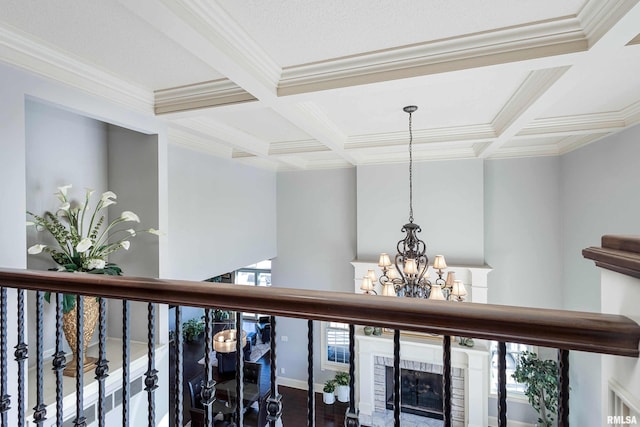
column 463, row 99
column 297, row 32
column 107, row 35
column 605, row 86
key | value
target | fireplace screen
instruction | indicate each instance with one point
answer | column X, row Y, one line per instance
column 420, row 392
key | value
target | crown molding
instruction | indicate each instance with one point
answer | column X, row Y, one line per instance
column 540, row 39
column 535, row 84
column 576, row 141
column 454, row 153
column 23, row 51
column 470, row 133
column 213, row 22
column 598, row 17
column 579, row 124
column 295, row 147
column 200, row 95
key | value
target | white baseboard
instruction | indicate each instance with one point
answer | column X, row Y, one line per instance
column 493, row 422
column 298, row 384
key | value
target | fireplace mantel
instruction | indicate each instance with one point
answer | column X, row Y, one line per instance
column 473, row 361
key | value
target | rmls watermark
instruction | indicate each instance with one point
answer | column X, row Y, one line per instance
column 622, row 420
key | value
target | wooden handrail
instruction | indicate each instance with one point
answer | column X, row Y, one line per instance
column 569, row 330
column 618, row 253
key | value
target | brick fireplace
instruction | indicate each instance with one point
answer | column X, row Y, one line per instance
column 470, row 373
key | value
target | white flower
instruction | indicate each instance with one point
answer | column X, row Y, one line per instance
column 154, row 231
column 84, row 245
column 108, row 195
column 30, row 223
column 125, row 244
column 129, row 216
column 63, row 190
column 36, row 249
column 90, row 192
column 131, row 231
column 65, row 206
column 108, row 202
column 93, row 263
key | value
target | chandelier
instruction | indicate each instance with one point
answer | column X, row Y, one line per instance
column 409, row 275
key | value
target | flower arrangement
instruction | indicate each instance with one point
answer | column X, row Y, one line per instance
column 84, row 242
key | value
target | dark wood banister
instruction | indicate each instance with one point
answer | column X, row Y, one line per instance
column 569, row 330
column 618, row 253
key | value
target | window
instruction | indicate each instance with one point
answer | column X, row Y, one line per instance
column 335, row 345
column 258, row 274
column 255, row 274
column 513, row 354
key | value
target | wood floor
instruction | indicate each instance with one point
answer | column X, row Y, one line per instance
column 294, row 401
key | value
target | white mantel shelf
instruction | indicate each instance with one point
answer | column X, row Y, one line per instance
column 474, row 361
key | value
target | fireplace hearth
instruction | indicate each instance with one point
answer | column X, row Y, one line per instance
column 420, row 392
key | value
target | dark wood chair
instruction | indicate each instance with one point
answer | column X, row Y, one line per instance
column 197, row 409
column 252, row 374
column 257, row 417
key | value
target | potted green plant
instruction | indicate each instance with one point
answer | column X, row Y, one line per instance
column 192, row 329
column 541, row 379
column 328, row 392
column 342, row 383
column 83, row 243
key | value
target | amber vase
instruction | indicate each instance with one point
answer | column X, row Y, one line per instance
column 70, row 328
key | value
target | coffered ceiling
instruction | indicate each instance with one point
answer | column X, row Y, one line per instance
column 307, row 84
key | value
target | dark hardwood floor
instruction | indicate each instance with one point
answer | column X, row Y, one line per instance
column 294, row 401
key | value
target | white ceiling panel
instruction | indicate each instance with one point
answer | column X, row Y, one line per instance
column 291, row 85
column 308, row 31
column 108, row 36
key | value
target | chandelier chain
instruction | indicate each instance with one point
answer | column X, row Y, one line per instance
column 410, row 170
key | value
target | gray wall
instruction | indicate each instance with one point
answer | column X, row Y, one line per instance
column 52, row 133
column 600, row 196
column 222, row 215
column 523, row 232
column 316, row 243
column 447, row 204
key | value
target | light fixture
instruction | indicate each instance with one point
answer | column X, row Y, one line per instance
column 409, row 277
column 225, row 341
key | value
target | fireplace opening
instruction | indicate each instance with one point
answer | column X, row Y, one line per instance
column 420, row 392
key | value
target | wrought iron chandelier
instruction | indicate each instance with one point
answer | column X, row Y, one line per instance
column 409, row 275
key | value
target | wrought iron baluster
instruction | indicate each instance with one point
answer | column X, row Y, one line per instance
column 396, row 377
column 446, row 380
column 40, row 410
column 126, row 356
column 80, row 420
column 274, row 403
column 151, row 376
column 351, row 418
column 5, row 401
column 239, row 371
column 21, row 354
column 502, row 384
column 208, row 392
column 178, row 342
column 102, row 369
column 563, row 392
column 59, row 360
column 311, row 401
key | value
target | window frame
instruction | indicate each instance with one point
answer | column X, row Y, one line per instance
column 518, row 395
column 325, row 363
